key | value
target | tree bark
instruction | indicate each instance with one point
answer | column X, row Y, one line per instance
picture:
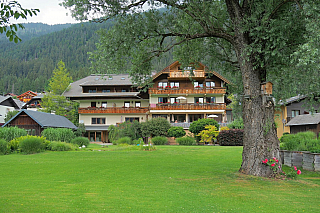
column 259, row 140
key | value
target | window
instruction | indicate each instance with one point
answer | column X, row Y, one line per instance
column 221, row 83
column 93, row 104
column 98, row 121
column 162, row 100
column 110, row 78
column 295, row 113
column 210, row 84
column 173, row 100
column 165, row 84
column 126, row 104
column 210, row 99
column 104, row 104
column 124, row 90
column 123, row 78
column 138, row 104
column 198, row 100
column 160, row 85
column 131, row 119
column 106, row 90
column 92, row 90
column 198, row 84
column 174, row 84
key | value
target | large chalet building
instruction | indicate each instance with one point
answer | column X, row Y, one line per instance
column 181, row 95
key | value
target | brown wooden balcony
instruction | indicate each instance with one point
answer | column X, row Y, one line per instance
column 93, row 110
column 204, row 90
column 191, row 106
column 196, row 74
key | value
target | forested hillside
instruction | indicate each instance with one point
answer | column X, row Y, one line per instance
column 29, row 64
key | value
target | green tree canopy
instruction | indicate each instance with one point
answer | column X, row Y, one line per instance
column 60, row 80
column 13, row 10
column 155, row 127
column 254, row 40
column 197, row 126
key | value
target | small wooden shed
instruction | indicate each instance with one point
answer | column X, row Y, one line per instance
column 35, row 122
column 303, row 123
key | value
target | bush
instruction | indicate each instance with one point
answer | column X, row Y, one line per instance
column 236, row 124
column 130, row 129
column 159, row 140
column 232, row 137
column 3, row 147
column 61, row 146
column 14, row 144
column 32, row 144
column 302, row 141
column 197, row 126
column 137, row 141
column 58, row 134
column 9, row 133
column 176, row 131
column 80, row 141
column 114, row 133
column 155, row 127
column 186, row 141
column 124, row 140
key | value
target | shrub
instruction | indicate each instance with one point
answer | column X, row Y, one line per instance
column 32, row 144
column 224, row 128
column 14, row 144
column 9, row 133
column 302, row 141
column 155, row 127
column 61, row 146
column 232, row 137
column 159, row 140
column 176, row 131
column 197, row 126
column 3, row 147
column 58, row 134
column 236, row 124
column 124, row 140
column 130, row 129
column 113, row 135
column 186, row 141
column 209, row 134
column 137, row 141
column 80, row 141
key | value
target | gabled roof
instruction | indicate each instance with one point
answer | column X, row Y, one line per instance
column 167, row 70
column 28, row 92
column 304, row 120
column 46, row 120
column 292, row 99
column 15, row 103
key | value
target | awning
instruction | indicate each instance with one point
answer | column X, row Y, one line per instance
column 97, row 128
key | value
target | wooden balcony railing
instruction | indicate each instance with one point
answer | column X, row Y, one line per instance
column 204, row 90
column 92, row 110
column 204, row 106
column 186, row 74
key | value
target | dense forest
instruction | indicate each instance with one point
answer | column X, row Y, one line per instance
column 28, row 65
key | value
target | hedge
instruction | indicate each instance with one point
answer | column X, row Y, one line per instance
column 233, row 137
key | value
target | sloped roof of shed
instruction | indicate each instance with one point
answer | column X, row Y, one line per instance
column 307, row 119
column 46, row 120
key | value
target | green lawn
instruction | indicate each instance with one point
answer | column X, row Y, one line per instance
column 170, row 179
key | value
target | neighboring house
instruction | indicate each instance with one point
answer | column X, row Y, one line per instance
column 7, row 103
column 25, row 97
column 34, row 103
column 179, row 95
column 35, row 122
column 289, row 109
column 303, row 123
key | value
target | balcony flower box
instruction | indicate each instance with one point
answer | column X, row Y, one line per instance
column 32, row 105
column 168, row 87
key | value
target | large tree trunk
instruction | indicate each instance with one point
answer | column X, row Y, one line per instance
column 260, row 140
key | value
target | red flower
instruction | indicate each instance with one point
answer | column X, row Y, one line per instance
column 266, row 160
column 277, row 160
column 295, row 168
column 299, row 172
column 273, row 165
column 274, row 158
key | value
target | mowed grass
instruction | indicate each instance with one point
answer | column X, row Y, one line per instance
column 170, row 179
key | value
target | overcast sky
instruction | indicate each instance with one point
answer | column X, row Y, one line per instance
column 50, row 12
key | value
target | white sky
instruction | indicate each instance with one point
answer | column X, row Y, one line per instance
column 50, row 12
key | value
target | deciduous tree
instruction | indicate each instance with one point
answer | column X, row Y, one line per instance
column 13, row 10
column 256, row 40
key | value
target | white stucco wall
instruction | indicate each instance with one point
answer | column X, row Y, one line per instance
column 3, row 112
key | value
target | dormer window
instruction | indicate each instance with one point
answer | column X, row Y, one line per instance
column 210, row 84
column 174, row 84
column 123, row 78
column 110, row 78
column 198, row 84
column 92, row 90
